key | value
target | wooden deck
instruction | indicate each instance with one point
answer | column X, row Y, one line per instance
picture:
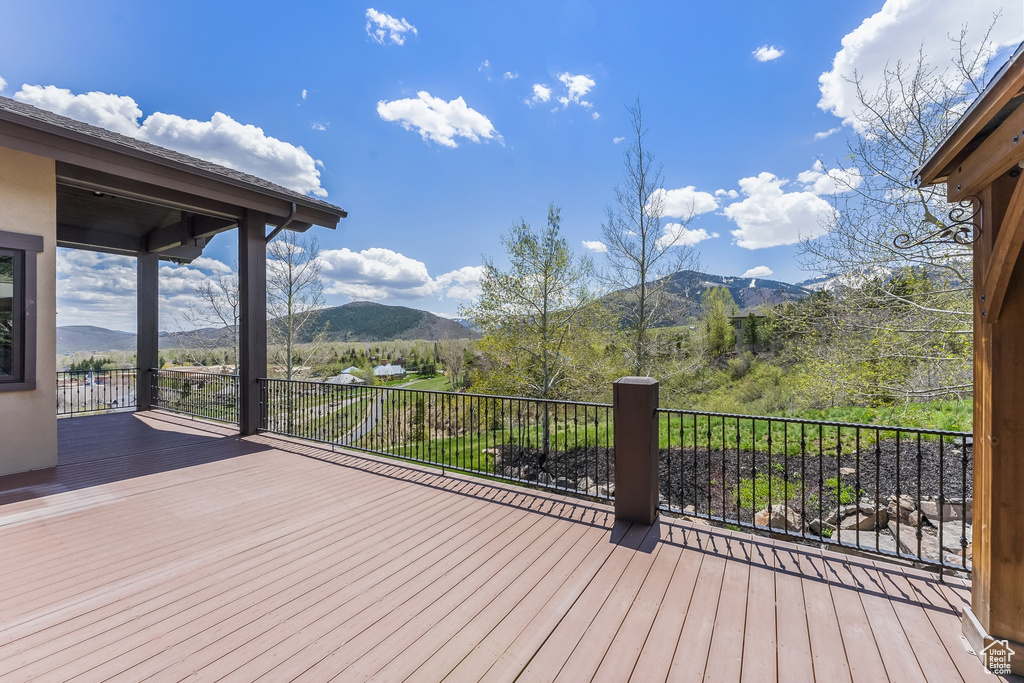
column 166, row 549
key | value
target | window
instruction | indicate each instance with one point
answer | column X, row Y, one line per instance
column 17, row 310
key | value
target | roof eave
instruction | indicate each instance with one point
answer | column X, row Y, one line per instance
column 1001, row 89
column 309, row 210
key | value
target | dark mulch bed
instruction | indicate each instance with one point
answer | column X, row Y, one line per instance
column 708, row 479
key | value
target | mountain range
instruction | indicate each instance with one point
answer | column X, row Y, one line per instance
column 364, row 321
column 359, row 321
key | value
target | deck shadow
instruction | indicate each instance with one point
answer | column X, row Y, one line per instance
column 102, row 449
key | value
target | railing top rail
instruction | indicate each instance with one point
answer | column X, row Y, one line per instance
column 825, row 423
column 377, row 387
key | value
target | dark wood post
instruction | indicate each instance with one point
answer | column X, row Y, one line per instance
column 635, row 402
column 147, row 321
column 252, row 318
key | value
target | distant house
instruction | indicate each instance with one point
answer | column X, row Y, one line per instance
column 389, row 372
column 350, row 369
column 739, row 323
column 345, row 378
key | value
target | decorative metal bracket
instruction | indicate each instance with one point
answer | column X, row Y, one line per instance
column 960, row 227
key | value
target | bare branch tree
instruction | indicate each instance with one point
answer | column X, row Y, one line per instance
column 215, row 304
column 641, row 254
column 295, row 291
column 913, row 304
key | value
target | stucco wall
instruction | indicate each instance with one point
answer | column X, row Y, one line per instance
column 28, row 421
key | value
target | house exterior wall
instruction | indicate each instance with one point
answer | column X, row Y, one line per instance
column 28, row 419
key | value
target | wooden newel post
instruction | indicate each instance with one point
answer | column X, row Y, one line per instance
column 635, row 402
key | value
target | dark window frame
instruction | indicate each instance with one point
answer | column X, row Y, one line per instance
column 24, row 249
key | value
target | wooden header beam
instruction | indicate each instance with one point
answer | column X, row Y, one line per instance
column 1001, row 151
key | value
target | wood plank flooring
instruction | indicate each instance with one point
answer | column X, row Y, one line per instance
column 168, row 549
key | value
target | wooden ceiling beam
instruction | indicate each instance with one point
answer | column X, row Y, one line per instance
column 186, row 232
column 77, row 237
column 1003, row 260
column 90, row 239
column 130, row 188
column 999, row 153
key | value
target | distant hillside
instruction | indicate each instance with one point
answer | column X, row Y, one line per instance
column 360, row 321
column 685, row 287
column 72, row 338
column 367, row 321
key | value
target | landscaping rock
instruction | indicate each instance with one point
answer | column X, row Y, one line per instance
column 916, row 518
column 885, row 541
column 689, row 510
column 819, row 528
column 931, row 509
column 544, row 479
column 779, row 517
column 951, row 536
column 862, row 521
column 847, row 471
column 906, row 536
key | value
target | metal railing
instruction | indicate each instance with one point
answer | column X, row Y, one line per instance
column 196, row 393
column 557, row 445
column 95, row 391
column 885, row 490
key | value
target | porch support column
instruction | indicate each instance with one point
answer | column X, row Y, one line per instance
column 634, row 406
column 252, row 317
column 147, row 320
column 997, row 592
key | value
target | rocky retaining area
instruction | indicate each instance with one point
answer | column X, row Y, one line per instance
column 864, row 499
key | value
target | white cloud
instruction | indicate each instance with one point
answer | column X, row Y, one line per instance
column 3, row 84
column 95, row 287
column 833, row 181
column 821, row 135
column 595, row 116
column 511, row 76
column 767, row 53
column 211, row 265
column 902, row 29
column 758, row 271
column 684, row 202
column 678, row 235
column 378, row 274
column 595, row 245
column 319, row 126
column 769, row 217
column 382, row 27
column 304, row 93
column 221, row 140
column 616, row 141
column 577, row 86
column 731, row 194
column 541, row 93
column 462, row 284
column 438, row 120
column 485, row 65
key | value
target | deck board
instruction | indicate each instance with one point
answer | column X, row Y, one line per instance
column 164, row 548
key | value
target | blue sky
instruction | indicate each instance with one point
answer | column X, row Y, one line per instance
column 437, row 125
